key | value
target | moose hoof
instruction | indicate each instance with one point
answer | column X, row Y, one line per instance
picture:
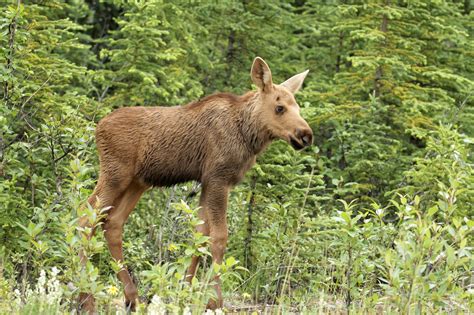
column 86, row 303
column 130, row 306
column 213, row 305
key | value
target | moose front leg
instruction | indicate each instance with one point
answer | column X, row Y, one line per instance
column 215, row 205
column 204, row 229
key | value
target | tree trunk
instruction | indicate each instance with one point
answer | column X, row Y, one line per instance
column 11, row 45
column 230, row 56
column 339, row 52
column 379, row 71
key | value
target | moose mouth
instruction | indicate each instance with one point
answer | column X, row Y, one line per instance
column 296, row 144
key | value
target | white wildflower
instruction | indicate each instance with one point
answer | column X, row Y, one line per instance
column 156, row 306
column 41, row 284
column 54, row 271
column 17, row 297
column 187, row 311
column 216, row 312
column 54, row 288
column 29, row 292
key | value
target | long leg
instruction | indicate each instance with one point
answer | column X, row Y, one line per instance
column 214, row 202
column 113, row 230
column 204, row 229
column 103, row 196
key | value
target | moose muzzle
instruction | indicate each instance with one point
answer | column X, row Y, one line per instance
column 303, row 138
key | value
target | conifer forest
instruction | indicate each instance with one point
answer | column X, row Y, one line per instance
column 376, row 217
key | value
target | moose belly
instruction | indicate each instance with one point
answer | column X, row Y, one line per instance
column 167, row 179
column 168, row 174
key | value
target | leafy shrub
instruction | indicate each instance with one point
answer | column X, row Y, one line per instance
column 376, row 216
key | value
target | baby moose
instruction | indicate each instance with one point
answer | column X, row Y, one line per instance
column 213, row 141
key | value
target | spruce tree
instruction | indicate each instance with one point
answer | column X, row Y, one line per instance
column 45, row 111
column 147, row 59
column 387, row 93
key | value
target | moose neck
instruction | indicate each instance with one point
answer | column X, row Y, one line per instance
column 255, row 136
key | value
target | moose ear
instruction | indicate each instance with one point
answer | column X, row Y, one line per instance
column 261, row 75
column 295, row 82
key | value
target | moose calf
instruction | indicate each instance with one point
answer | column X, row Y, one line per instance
column 213, row 141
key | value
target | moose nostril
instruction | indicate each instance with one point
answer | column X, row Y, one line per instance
column 305, row 136
column 306, row 140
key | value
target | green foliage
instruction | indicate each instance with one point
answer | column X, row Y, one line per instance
column 424, row 249
column 444, row 169
column 171, row 291
column 147, row 56
column 376, row 216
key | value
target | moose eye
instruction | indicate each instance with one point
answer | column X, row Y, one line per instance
column 279, row 109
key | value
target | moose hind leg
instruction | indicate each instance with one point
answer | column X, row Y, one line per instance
column 113, row 231
column 86, row 300
column 102, row 197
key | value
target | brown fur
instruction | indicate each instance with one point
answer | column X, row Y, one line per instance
column 214, row 141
